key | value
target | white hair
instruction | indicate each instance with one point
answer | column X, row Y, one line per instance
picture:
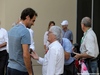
column 57, row 31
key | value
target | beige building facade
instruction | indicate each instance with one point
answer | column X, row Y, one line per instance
column 56, row 10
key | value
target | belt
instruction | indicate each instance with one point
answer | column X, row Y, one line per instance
column 91, row 59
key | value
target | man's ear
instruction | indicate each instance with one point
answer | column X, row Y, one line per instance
column 27, row 17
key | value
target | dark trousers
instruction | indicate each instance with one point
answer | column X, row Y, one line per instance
column 3, row 61
column 6, row 65
column 11, row 71
column 99, row 65
column 70, row 69
column 92, row 65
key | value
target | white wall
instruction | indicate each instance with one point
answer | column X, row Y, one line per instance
column 2, row 13
column 56, row 10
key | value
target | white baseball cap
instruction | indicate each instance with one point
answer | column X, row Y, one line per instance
column 64, row 22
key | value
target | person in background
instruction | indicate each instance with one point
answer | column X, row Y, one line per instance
column 15, row 23
column 46, row 43
column 53, row 61
column 18, row 42
column 32, row 47
column 89, row 46
column 69, row 66
column 66, row 32
column 3, row 50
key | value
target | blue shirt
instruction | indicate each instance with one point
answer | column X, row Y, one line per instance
column 17, row 36
column 68, row 34
column 67, row 45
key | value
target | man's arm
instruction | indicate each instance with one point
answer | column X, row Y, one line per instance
column 5, row 35
column 67, row 55
column 71, row 37
column 83, row 55
column 3, row 44
column 67, row 48
column 27, row 58
column 35, row 56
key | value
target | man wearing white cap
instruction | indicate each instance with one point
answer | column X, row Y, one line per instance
column 66, row 32
column 69, row 67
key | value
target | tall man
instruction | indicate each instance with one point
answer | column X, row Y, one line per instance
column 19, row 41
column 89, row 46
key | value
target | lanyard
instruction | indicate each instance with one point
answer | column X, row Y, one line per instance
column 84, row 36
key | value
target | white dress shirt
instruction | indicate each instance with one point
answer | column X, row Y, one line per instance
column 3, row 38
column 32, row 41
column 89, row 44
column 53, row 60
column 46, row 39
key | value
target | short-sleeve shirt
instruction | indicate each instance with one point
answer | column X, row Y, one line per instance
column 17, row 36
column 67, row 34
column 67, row 46
column 89, row 44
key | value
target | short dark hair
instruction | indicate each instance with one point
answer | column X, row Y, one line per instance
column 28, row 12
column 86, row 21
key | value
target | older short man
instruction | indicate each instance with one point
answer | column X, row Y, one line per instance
column 53, row 61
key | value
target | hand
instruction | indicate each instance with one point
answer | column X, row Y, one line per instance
column 31, row 50
column 46, row 51
column 30, row 74
column 34, row 55
column 77, row 56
